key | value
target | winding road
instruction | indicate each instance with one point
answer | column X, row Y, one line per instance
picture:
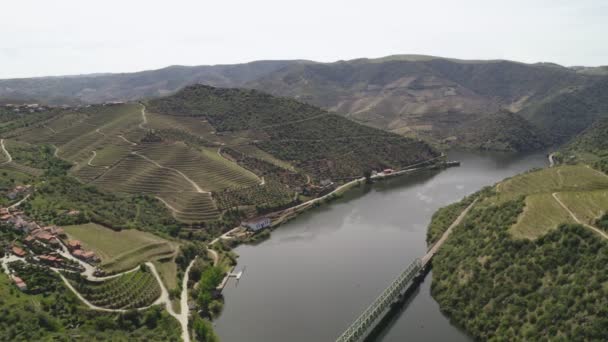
column 127, row 140
column 91, row 159
column 144, row 118
column 551, row 160
column 8, row 155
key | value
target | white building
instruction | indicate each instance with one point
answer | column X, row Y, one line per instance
column 258, row 224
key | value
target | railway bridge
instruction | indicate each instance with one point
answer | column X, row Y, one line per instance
column 378, row 308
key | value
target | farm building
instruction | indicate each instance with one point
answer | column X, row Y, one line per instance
column 258, row 224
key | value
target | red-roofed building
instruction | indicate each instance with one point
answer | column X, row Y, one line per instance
column 20, row 283
column 85, row 255
column 74, row 245
column 18, row 251
column 50, row 260
column 45, row 237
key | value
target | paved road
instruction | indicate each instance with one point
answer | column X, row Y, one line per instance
column 603, row 234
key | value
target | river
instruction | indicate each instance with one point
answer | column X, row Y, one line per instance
column 317, row 273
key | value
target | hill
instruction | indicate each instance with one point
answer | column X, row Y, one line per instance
column 503, row 131
column 528, row 259
column 411, row 95
column 98, row 88
column 211, row 156
column 428, row 97
column 322, row 144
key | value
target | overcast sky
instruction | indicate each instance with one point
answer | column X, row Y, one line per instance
column 62, row 37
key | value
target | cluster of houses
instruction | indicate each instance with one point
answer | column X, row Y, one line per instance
column 75, row 247
column 51, row 236
column 35, row 107
column 26, row 108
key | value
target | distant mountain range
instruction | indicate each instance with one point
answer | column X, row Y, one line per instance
column 493, row 104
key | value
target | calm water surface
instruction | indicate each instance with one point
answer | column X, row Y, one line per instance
column 317, row 273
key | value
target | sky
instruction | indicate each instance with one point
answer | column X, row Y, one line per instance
column 67, row 37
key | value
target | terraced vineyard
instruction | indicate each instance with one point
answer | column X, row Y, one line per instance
column 129, row 291
column 135, row 174
column 127, row 260
column 271, row 195
column 205, row 167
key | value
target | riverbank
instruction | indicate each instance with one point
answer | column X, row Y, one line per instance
column 337, row 259
column 283, row 216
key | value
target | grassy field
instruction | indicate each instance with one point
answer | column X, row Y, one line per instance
column 121, row 250
column 583, row 190
column 167, row 269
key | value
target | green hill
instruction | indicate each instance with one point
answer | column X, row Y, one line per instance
column 202, row 153
column 320, row 143
column 528, row 261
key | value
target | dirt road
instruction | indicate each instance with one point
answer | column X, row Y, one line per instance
column 8, row 155
column 603, row 234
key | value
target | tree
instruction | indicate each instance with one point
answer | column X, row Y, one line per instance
column 203, row 331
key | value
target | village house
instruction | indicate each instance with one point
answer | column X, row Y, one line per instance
column 46, row 237
column 18, row 251
column 88, row 256
column 19, row 283
column 54, row 230
column 29, row 240
column 18, row 222
column 50, row 260
column 73, row 245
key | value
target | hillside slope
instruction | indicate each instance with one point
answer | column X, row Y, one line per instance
column 212, row 156
column 438, row 99
column 322, row 144
column 528, row 263
column 131, row 86
column 428, row 97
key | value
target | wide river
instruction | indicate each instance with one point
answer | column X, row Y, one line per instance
column 317, row 273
